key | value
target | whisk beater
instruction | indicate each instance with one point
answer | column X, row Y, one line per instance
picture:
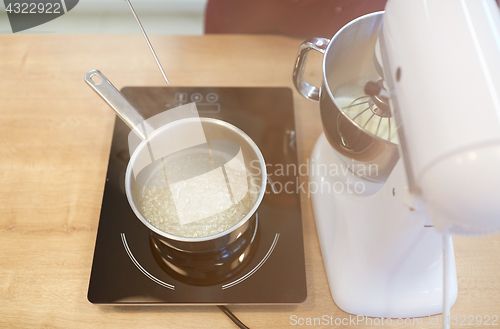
column 372, row 113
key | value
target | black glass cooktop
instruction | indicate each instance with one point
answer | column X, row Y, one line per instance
column 124, row 269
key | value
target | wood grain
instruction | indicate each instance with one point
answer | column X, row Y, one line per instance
column 55, row 137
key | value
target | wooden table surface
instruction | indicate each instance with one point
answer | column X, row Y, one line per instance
column 55, row 135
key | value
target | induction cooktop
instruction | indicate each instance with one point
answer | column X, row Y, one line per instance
column 124, row 269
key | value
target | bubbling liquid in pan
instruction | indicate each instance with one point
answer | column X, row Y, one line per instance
column 158, row 207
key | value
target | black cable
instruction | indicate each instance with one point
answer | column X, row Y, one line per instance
column 233, row 318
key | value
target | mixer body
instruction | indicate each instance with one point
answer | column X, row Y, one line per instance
column 438, row 65
column 382, row 258
column 441, row 61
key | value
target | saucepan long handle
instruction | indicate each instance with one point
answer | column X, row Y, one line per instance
column 104, row 88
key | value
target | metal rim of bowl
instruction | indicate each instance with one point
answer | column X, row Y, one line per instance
column 325, row 81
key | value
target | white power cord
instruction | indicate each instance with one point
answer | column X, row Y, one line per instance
column 447, row 263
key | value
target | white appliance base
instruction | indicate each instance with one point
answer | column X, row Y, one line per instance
column 380, row 258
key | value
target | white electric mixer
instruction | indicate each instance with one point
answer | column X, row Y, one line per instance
column 438, row 106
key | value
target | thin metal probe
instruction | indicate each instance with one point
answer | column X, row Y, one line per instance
column 147, row 40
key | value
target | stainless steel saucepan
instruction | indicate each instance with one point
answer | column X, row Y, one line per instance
column 171, row 135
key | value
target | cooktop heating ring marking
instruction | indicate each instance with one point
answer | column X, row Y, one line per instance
column 256, row 268
column 142, row 269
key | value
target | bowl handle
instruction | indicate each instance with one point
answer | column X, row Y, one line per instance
column 303, row 87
